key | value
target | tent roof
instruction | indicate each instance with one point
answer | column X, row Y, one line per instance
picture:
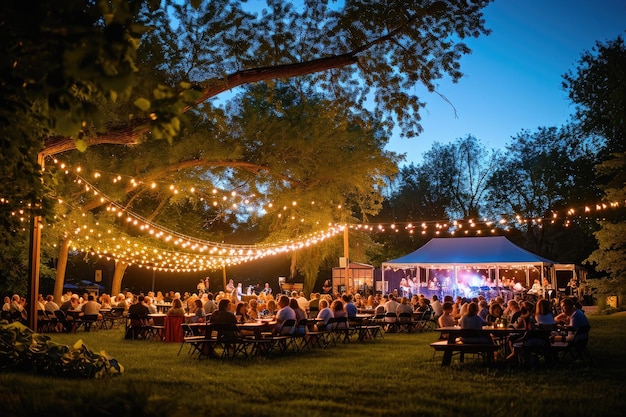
column 356, row 265
column 467, row 251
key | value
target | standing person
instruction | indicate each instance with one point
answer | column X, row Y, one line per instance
column 230, row 287
column 201, row 286
column 239, row 293
column 267, row 290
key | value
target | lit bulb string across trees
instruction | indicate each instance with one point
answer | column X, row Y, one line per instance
column 220, row 254
column 216, row 198
column 435, row 227
column 91, row 241
column 107, row 244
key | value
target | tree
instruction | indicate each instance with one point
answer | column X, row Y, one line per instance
column 597, row 90
column 57, row 61
column 92, row 64
column 596, row 87
column 610, row 256
column 301, row 159
column 89, row 50
column 460, row 170
column 413, row 200
column 541, row 173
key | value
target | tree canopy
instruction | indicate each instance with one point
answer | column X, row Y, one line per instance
column 125, row 72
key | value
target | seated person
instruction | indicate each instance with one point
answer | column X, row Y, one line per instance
column 223, row 315
column 283, row 314
column 446, row 319
column 495, row 313
column 572, row 317
column 176, row 309
column 200, row 314
column 139, row 309
column 324, row 315
column 543, row 313
column 536, row 288
column 471, row 319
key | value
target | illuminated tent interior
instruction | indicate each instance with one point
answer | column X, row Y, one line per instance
column 454, row 265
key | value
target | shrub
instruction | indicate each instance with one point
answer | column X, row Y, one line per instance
column 23, row 350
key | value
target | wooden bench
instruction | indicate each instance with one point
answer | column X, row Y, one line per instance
column 487, row 350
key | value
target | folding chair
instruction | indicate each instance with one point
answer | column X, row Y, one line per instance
column 425, row 322
column 193, row 338
column 67, row 325
column 90, row 321
column 391, row 322
column 137, row 327
column 576, row 349
column 405, row 322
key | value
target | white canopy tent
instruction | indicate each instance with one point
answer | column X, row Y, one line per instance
column 493, row 253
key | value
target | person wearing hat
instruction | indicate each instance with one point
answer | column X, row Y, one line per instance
column 72, row 304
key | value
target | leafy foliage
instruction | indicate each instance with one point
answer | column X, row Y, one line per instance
column 542, row 171
column 23, row 350
column 596, row 87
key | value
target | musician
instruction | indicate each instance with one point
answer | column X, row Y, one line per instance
column 267, row 290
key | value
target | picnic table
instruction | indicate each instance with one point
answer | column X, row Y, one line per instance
column 462, row 341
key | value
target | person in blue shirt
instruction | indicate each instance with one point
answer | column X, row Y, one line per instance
column 349, row 306
column 572, row 317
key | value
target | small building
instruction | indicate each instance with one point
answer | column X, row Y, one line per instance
column 360, row 279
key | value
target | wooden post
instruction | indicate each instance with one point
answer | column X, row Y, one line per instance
column 34, row 248
column 346, row 254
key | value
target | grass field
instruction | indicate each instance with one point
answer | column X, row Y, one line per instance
column 394, row 376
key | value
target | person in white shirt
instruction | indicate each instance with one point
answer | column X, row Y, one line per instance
column 323, row 315
column 50, row 305
column 435, row 304
column 283, row 314
column 392, row 305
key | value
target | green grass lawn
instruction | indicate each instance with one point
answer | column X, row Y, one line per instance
column 394, row 376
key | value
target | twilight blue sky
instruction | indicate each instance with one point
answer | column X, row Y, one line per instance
column 513, row 77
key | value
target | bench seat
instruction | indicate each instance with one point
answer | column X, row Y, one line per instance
column 487, row 350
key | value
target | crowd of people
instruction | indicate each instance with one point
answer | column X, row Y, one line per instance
column 231, row 306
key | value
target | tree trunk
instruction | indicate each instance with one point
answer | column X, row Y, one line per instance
column 118, row 275
column 64, row 249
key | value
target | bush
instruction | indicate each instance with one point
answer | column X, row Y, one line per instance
column 23, row 350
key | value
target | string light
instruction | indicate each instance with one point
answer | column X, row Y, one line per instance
column 210, row 255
